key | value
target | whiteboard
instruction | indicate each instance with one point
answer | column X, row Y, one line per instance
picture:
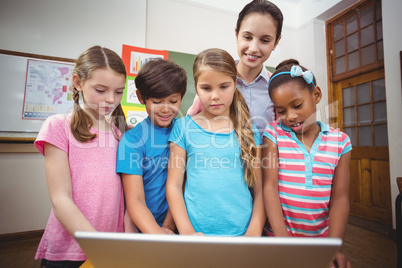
column 13, row 70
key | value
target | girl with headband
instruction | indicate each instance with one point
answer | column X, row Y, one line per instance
column 305, row 162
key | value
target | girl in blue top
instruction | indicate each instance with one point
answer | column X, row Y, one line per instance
column 219, row 150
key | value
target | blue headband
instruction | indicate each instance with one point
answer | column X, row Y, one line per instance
column 296, row 71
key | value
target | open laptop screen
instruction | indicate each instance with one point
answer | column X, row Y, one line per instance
column 146, row 250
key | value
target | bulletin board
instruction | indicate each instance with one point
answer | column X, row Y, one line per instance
column 134, row 58
column 21, row 72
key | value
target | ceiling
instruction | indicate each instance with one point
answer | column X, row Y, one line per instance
column 296, row 12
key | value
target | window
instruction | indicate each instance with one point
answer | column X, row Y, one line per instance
column 365, row 113
column 356, row 42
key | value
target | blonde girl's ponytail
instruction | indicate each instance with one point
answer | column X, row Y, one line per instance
column 240, row 116
column 81, row 122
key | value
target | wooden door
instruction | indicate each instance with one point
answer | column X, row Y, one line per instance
column 358, row 105
column 362, row 115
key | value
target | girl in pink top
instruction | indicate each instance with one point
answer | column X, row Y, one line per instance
column 80, row 158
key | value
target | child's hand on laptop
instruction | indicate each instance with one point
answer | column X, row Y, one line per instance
column 201, row 234
column 166, row 230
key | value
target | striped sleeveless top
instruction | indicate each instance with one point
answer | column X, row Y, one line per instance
column 305, row 178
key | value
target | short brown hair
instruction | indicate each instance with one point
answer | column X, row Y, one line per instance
column 159, row 78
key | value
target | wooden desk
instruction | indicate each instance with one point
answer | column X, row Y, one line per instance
column 87, row 264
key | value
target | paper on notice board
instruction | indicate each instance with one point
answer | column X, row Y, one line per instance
column 47, row 89
column 134, row 117
column 139, row 59
column 131, row 92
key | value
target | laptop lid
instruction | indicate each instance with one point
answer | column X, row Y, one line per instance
column 148, row 250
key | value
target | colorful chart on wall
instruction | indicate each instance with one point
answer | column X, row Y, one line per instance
column 134, row 58
column 47, row 89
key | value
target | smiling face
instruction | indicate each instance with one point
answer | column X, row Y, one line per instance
column 296, row 105
column 215, row 90
column 256, row 40
column 162, row 111
column 102, row 91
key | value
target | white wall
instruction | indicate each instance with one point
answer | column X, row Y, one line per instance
column 296, row 13
column 61, row 29
column 66, row 28
column 24, row 199
column 391, row 23
column 189, row 28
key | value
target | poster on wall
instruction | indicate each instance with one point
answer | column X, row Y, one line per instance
column 134, row 58
column 47, row 89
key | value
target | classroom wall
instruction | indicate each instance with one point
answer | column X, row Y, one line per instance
column 24, row 199
column 66, row 28
column 391, row 23
column 189, row 28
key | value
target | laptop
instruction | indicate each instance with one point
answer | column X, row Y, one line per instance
column 150, row 250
